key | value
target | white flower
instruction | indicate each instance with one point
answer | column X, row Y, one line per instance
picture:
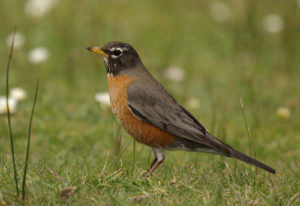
column 219, row 11
column 174, row 73
column 17, row 93
column 37, row 8
column 273, row 23
column 193, row 103
column 12, row 104
column 19, row 40
column 103, row 98
column 38, row 55
column 283, row 112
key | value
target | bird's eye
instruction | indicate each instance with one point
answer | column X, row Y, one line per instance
column 117, row 52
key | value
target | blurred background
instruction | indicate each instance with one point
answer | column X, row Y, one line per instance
column 208, row 54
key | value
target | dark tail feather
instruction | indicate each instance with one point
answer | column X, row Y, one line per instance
column 245, row 158
column 228, row 151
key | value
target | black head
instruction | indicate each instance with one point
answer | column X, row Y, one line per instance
column 118, row 56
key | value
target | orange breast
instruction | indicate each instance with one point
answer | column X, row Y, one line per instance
column 141, row 131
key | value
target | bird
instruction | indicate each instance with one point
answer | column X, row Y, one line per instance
column 151, row 115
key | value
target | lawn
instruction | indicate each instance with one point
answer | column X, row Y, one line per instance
column 228, row 50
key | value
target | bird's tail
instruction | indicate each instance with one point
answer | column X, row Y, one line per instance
column 245, row 158
column 228, row 151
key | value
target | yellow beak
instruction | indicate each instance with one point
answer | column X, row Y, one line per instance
column 97, row 50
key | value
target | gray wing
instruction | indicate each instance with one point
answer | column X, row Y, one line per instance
column 158, row 108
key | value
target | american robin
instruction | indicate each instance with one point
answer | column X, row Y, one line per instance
column 151, row 115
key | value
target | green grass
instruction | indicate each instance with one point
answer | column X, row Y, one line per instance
column 74, row 141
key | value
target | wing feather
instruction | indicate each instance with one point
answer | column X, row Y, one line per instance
column 161, row 110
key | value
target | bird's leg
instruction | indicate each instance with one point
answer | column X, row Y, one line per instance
column 158, row 159
column 153, row 162
column 153, row 168
column 155, row 158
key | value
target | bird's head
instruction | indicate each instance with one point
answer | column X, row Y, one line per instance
column 118, row 56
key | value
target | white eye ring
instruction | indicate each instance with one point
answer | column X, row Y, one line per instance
column 116, row 52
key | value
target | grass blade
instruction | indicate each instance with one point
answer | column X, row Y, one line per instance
column 8, row 114
column 28, row 140
column 251, row 146
column 118, row 141
column 133, row 156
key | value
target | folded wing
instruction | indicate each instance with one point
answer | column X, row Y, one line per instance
column 161, row 110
